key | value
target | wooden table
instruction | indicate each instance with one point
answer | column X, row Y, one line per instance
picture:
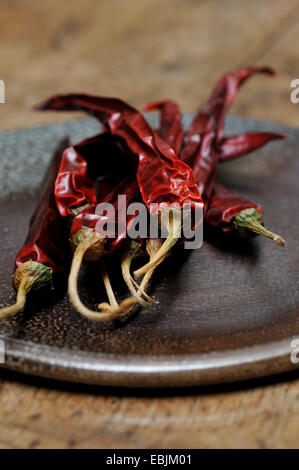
column 141, row 51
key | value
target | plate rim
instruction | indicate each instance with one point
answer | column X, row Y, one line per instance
column 141, row 371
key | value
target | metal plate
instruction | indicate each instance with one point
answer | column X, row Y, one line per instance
column 227, row 311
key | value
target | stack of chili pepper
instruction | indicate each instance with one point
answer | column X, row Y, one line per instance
column 162, row 178
column 159, row 168
column 203, row 147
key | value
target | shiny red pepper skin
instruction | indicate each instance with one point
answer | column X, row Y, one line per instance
column 97, row 156
column 171, row 129
column 236, row 145
column 162, row 177
column 225, row 206
column 211, row 116
column 47, row 239
column 100, row 156
column 72, row 187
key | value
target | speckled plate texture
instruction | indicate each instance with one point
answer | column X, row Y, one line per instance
column 227, row 311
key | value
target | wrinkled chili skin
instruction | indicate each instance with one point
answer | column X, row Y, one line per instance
column 171, row 129
column 237, row 145
column 90, row 217
column 225, row 206
column 162, row 177
column 97, row 156
column 211, row 116
column 47, row 239
column 72, row 187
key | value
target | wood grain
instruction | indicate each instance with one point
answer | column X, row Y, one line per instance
column 37, row 416
column 142, row 51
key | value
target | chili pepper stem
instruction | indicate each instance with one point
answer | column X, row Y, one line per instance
column 30, row 275
column 107, row 284
column 256, row 227
column 18, row 305
column 105, row 316
column 129, row 255
column 141, row 287
column 124, row 307
column 174, row 233
column 251, row 220
column 152, row 247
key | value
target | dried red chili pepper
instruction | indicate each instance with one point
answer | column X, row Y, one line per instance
column 236, row 145
column 205, row 156
column 231, row 212
column 172, row 132
column 91, row 243
column 134, row 250
column 162, row 177
column 211, row 116
column 204, row 135
column 171, row 129
column 225, row 209
column 43, row 258
column 74, row 188
column 74, row 192
column 84, row 229
column 97, row 149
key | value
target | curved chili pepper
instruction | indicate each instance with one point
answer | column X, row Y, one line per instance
column 43, row 259
column 74, row 188
column 134, row 249
column 162, row 177
column 74, row 192
column 236, row 145
column 172, row 132
column 211, row 116
column 90, row 243
column 76, row 196
column 171, row 129
column 207, row 155
column 226, row 210
column 170, row 179
column 231, row 212
column 204, row 135
column 92, row 149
